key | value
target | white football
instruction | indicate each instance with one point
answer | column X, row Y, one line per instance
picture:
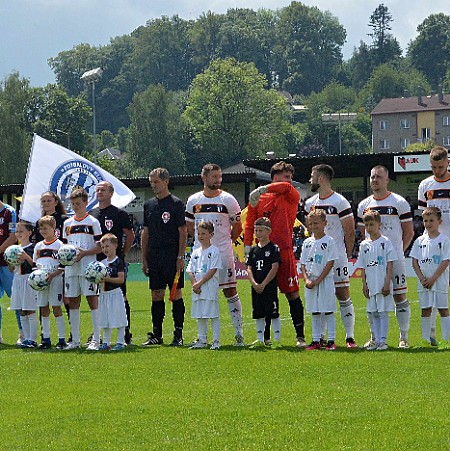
column 12, row 255
column 96, row 272
column 38, row 280
column 67, row 254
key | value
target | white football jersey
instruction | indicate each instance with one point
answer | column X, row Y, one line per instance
column 316, row 254
column 45, row 254
column 373, row 258
column 82, row 233
column 430, row 253
column 222, row 210
column 432, row 193
column 337, row 207
column 394, row 210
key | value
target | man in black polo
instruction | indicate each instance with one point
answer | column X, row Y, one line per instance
column 116, row 221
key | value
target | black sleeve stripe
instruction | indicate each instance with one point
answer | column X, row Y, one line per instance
column 189, row 215
column 347, row 212
column 407, row 215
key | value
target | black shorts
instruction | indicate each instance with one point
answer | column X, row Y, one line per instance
column 265, row 304
column 162, row 267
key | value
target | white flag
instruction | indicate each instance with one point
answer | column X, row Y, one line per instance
column 55, row 168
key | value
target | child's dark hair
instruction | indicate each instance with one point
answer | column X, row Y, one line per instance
column 371, row 215
column 28, row 225
column 79, row 193
column 263, row 222
column 207, row 225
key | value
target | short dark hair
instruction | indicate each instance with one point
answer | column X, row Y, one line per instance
column 207, row 225
column 371, row 215
column 26, row 224
column 79, row 193
column 280, row 167
column 209, row 168
column 429, row 211
column 439, row 153
column 263, row 222
column 161, row 173
column 324, row 169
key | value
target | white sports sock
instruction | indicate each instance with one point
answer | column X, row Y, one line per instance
column 202, row 324
column 95, row 325
column 370, row 319
column 33, row 325
column 445, row 327
column 331, row 326
column 61, row 327
column 434, row 314
column 403, row 314
column 74, row 315
column 376, row 326
column 323, row 326
column 348, row 317
column 121, row 335
column 315, row 327
column 260, row 326
column 384, row 326
column 25, row 327
column 235, row 308
column 276, row 326
column 107, row 331
column 215, row 326
column 45, row 322
column 425, row 324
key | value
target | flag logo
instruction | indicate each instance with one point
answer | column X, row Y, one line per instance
column 74, row 174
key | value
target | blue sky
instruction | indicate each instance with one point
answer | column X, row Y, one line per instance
column 34, row 30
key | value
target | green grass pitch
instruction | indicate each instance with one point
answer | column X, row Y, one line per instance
column 232, row 399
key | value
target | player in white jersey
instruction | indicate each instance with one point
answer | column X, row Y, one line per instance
column 44, row 257
column 376, row 257
column 223, row 211
column 397, row 225
column 434, row 191
column 341, row 227
column 431, row 257
column 84, row 232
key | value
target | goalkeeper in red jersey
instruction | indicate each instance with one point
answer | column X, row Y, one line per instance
column 278, row 201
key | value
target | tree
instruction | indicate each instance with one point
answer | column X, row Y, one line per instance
column 232, row 116
column 430, row 51
column 154, row 133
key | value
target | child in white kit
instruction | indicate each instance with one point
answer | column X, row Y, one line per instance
column 203, row 274
column 317, row 260
column 111, row 303
column 431, row 258
column 376, row 257
column 45, row 258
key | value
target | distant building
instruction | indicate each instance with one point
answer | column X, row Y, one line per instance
column 397, row 123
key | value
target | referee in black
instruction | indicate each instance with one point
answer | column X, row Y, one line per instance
column 116, row 221
column 163, row 243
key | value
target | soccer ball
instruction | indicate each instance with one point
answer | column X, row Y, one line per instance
column 12, row 255
column 67, row 254
column 95, row 272
column 38, row 280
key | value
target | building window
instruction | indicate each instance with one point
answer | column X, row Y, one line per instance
column 404, row 123
column 446, row 140
column 405, row 142
column 384, row 144
column 384, row 125
column 446, row 121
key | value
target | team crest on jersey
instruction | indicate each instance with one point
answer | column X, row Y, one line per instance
column 267, row 253
column 429, row 195
column 197, row 208
column 75, row 174
column 109, row 224
column 165, row 217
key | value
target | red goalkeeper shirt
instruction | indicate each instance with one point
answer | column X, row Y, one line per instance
column 280, row 205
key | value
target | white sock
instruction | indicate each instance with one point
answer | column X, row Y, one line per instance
column 348, row 317
column 202, row 324
column 425, row 324
column 121, row 335
column 61, row 327
column 45, row 320
column 276, row 327
column 33, row 325
column 445, row 327
column 25, row 327
column 376, row 326
column 315, row 327
column 434, row 314
column 403, row 314
column 74, row 315
column 95, row 325
column 370, row 319
column 323, row 326
column 260, row 326
column 384, row 326
column 215, row 326
column 235, row 308
column 107, row 331
column 331, row 326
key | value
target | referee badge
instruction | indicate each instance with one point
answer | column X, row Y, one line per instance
column 109, row 224
column 165, row 217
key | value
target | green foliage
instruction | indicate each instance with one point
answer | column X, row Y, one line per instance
column 421, row 147
column 231, row 114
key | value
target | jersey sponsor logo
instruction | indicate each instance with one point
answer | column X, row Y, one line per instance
column 384, row 210
column 109, row 224
column 82, row 228
column 210, row 208
column 75, row 174
column 165, row 217
column 438, row 194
